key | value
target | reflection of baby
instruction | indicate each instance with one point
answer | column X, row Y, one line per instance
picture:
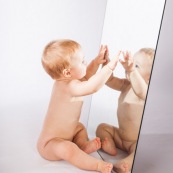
column 130, row 107
column 62, row 136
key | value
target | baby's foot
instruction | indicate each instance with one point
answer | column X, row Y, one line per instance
column 91, row 146
column 108, row 148
column 121, row 167
column 105, row 167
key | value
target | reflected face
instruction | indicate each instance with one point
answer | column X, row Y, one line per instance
column 143, row 65
column 78, row 66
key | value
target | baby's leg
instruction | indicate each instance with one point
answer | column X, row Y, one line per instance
column 125, row 165
column 110, row 139
column 58, row 149
column 82, row 141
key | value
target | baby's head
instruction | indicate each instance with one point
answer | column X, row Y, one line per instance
column 61, row 57
column 143, row 62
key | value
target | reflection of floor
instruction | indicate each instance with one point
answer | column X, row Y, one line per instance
column 154, row 154
column 113, row 159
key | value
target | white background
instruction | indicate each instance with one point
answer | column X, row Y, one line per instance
column 26, row 27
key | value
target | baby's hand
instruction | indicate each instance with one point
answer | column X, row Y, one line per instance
column 106, row 57
column 128, row 62
column 101, row 57
column 113, row 63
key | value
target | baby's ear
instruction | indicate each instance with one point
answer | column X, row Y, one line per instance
column 66, row 73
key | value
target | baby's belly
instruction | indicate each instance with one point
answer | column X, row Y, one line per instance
column 129, row 119
column 129, row 133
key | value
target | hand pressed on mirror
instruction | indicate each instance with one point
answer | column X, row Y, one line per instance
column 130, row 107
column 63, row 137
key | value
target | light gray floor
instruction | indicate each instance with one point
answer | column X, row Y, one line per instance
column 113, row 159
column 19, row 131
column 154, row 154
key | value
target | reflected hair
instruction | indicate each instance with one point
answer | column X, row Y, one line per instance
column 57, row 56
column 149, row 52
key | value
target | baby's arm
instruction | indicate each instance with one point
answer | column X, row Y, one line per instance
column 94, row 64
column 78, row 88
column 138, row 83
column 113, row 82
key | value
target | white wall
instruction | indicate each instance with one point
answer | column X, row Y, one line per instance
column 129, row 25
column 26, row 27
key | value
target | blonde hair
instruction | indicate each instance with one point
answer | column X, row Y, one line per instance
column 149, row 52
column 57, row 56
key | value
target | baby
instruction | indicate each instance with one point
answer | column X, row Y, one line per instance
column 130, row 107
column 63, row 137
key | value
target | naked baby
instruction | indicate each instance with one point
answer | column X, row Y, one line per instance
column 63, row 137
column 130, row 107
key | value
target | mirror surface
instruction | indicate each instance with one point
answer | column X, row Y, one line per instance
column 128, row 25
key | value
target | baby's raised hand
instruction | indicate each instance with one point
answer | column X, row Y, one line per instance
column 128, row 62
column 113, row 63
column 101, row 57
column 106, row 57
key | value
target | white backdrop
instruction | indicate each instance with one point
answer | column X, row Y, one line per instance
column 26, row 27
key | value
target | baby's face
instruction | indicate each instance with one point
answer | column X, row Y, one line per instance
column 78, row 66
column 143, row 65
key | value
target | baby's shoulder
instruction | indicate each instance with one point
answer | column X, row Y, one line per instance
column 74, row 83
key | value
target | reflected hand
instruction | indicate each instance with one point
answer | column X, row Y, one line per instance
column 128, row 62
column 113, row 63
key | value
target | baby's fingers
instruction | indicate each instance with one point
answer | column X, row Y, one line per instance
column 127, row 55
column 102, row 50
column 112, row 64
column 122, row 62
column 118, row 54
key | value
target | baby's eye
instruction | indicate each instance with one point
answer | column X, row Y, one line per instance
column 83, row 61
column 136, row 66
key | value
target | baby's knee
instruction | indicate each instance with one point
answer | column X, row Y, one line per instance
column 80, row 126
column 102, row 127
column 68, row 149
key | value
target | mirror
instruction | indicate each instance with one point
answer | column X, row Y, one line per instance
column 129, row 25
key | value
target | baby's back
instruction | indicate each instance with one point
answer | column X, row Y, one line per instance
column 62, row 116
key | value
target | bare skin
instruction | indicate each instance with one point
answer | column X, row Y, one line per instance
column 63, row 137
column 130, row 108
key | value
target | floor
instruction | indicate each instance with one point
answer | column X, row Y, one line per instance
column 112, row 159
column 19, row 131
column 154, row 154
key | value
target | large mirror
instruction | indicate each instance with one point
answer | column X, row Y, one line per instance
column 129, row 25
